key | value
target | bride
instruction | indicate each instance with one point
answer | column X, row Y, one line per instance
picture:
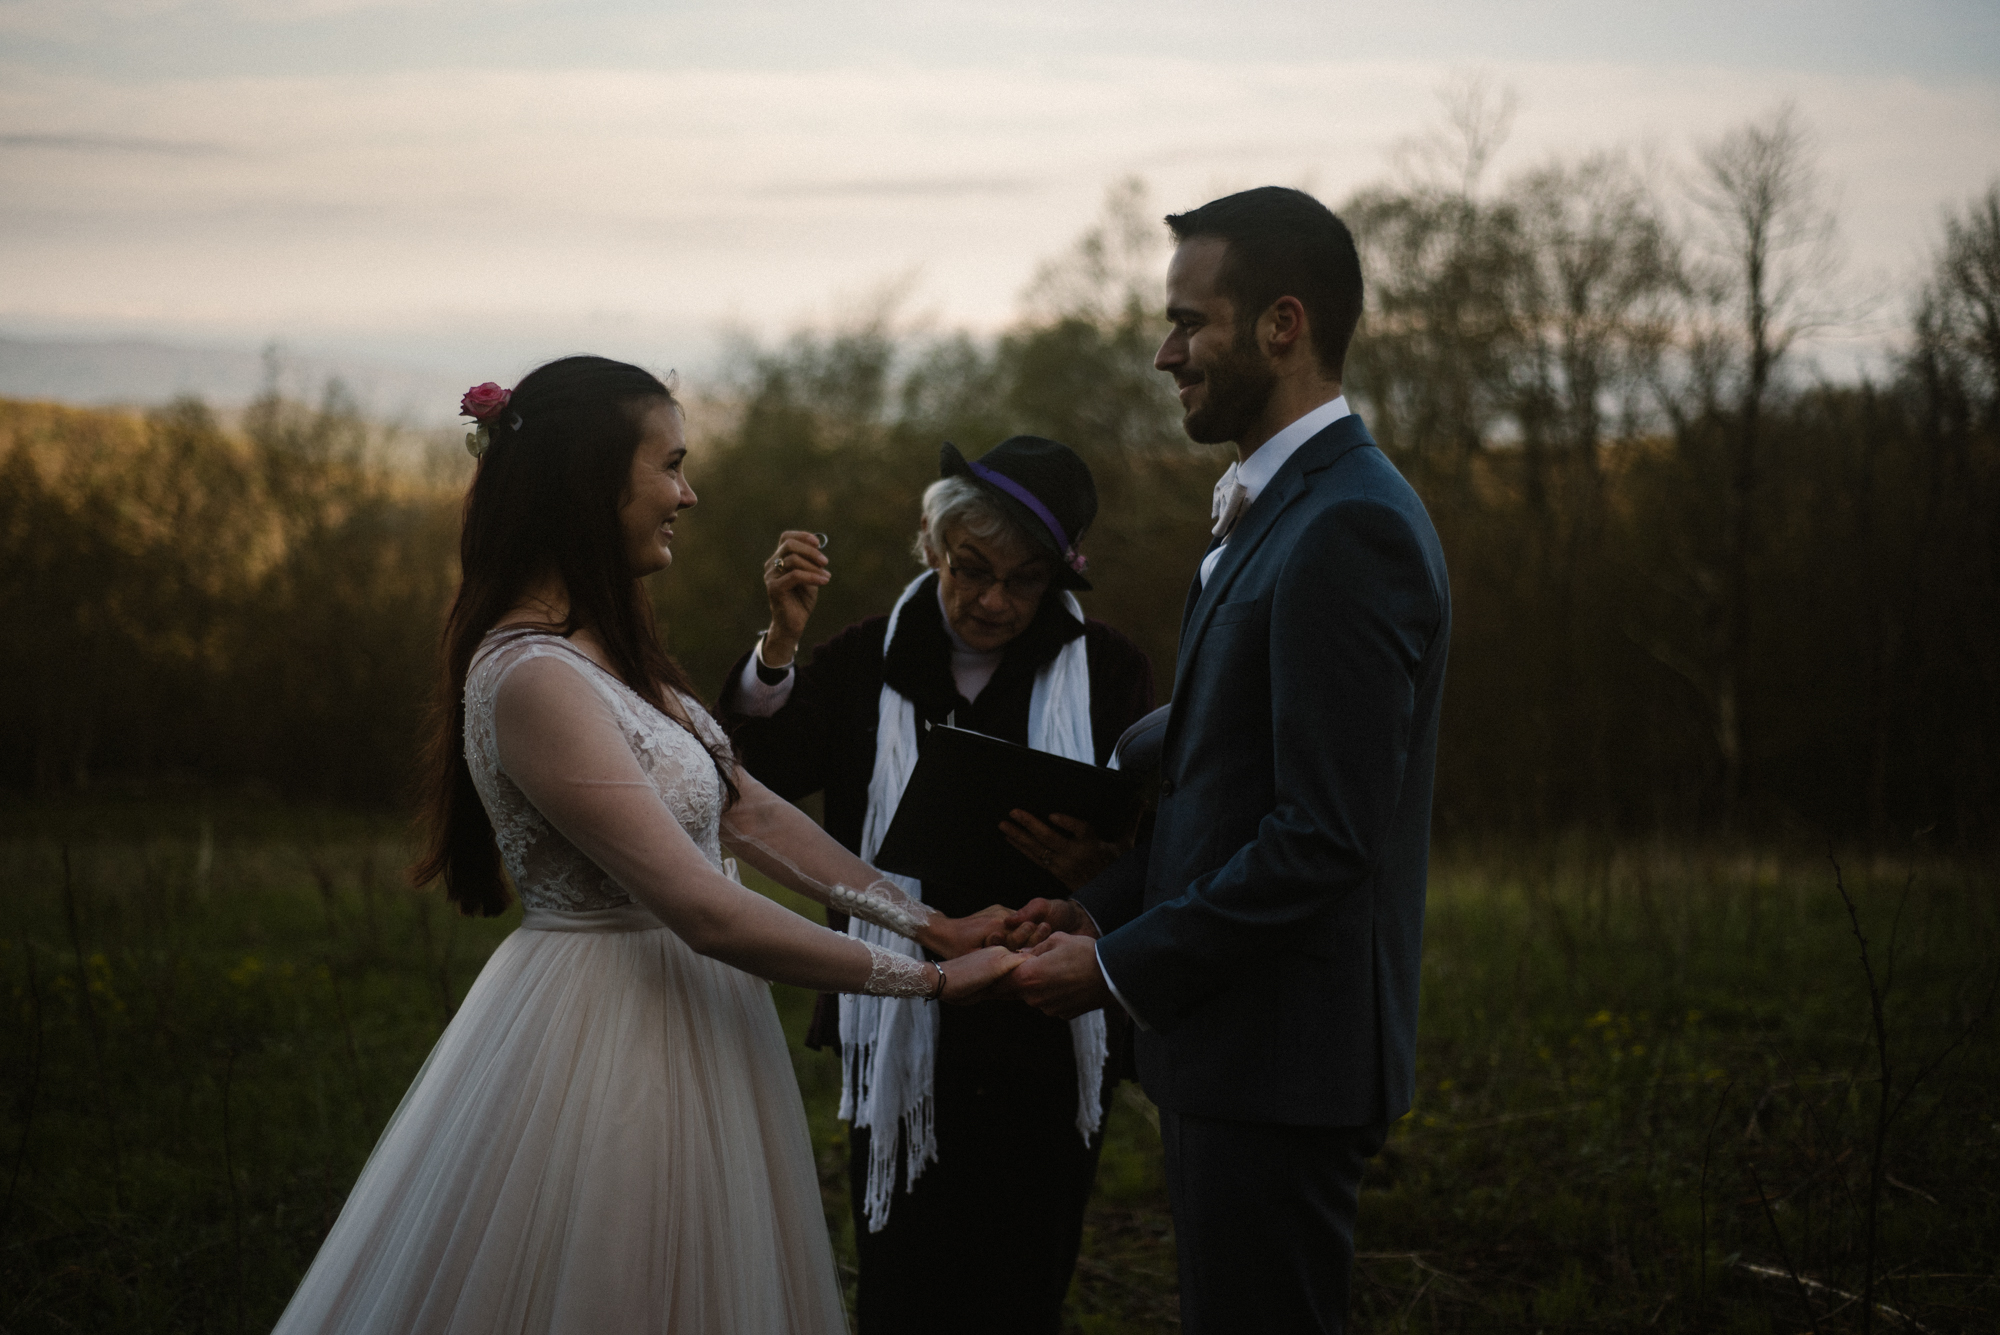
column 608, row 1136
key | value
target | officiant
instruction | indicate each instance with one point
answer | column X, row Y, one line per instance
column 976, row 1129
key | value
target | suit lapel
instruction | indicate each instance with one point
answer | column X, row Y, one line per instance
column 1249, row 533
column 1317, row 454
column 1194, row 592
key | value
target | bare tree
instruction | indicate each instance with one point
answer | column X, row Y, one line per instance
column 1112, row 273
column 1432, row 360
column 1434, row 356
column 1771, row 242
column 1964, row 298
column 1478, row 118
column 1594, row 288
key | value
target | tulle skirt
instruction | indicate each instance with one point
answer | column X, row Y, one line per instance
column 608, row 1137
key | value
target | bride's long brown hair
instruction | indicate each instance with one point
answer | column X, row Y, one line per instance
column 544, row 502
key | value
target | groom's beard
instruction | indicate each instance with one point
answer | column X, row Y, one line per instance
column 1239, row 387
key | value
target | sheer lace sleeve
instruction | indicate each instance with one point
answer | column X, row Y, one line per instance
column 786, row 845
column 558, row 739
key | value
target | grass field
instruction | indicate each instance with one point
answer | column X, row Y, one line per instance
column 1650, row 1082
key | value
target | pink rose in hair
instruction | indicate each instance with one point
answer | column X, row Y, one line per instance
column 484, row 401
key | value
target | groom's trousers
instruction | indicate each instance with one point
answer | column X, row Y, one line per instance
column 1264, row 1222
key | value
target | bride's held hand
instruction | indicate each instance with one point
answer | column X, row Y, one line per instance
column 953, row 937
column 1039, row 919
column 970, row 977
column 793, row 577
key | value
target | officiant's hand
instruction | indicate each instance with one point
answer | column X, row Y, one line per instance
column 1070, row 848
column 1060, row 977
column 793, row 577
column 1039, row 919
column 953, row 937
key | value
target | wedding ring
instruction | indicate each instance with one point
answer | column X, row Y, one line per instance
column 823, row 540
column 781, row 565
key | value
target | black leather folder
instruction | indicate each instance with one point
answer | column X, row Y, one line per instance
column 946, row 830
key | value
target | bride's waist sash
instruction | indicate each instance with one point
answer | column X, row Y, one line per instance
column 626, row 917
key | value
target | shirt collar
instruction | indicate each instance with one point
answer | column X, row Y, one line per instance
column 1263, row 465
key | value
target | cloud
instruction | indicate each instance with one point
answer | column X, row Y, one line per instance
column 932, row 187
column 79, row 15
column 110, row 143
column 500, row 199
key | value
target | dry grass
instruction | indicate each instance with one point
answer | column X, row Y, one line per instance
column 1627, row 1054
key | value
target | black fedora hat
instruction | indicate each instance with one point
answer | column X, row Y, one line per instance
column 1044, row 485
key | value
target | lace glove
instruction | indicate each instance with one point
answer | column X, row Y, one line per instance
column 894, row 975
column 884, row 905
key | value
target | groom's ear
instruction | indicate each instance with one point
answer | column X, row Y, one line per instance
column 1284, row 330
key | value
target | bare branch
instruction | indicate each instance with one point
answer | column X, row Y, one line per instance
column 1478, row 118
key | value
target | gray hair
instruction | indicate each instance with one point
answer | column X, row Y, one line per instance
column 959, row 502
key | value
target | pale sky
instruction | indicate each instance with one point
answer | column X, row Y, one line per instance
column 473, row 186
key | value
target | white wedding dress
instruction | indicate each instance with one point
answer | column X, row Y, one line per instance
column 609, row 1136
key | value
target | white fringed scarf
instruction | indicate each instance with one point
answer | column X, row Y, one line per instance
column 889, row 1044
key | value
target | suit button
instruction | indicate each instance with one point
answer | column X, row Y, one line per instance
column 1166, row 787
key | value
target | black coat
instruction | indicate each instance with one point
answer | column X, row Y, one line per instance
column 824, row 737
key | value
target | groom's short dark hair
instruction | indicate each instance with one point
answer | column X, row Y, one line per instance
column 1285, row 243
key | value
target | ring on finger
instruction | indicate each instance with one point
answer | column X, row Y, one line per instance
column 781, row 566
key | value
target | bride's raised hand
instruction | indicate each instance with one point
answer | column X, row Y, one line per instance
column 971, row 978
column 793, row 577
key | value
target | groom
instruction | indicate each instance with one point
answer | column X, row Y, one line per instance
column 1265, row 933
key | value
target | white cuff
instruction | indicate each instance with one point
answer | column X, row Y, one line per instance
column 756, row 699
column 1118, row 996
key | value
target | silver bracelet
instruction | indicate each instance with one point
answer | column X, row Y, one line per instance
column 939, row 966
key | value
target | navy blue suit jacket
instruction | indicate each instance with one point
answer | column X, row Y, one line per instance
column 1268, row 928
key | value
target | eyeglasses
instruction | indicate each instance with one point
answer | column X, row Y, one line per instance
column 978, row 579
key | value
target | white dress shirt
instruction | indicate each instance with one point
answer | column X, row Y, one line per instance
column 1256, row 472
column 753, row 696
column 1253, row 475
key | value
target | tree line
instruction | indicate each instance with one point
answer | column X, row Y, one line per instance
column 197, row 608
column 1699, row 586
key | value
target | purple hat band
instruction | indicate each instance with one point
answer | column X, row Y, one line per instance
column 1025, row 497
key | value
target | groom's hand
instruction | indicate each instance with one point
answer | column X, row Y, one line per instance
column 1039, row 919
column 1061, row 977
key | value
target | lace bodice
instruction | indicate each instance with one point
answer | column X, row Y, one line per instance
column 549, row 871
